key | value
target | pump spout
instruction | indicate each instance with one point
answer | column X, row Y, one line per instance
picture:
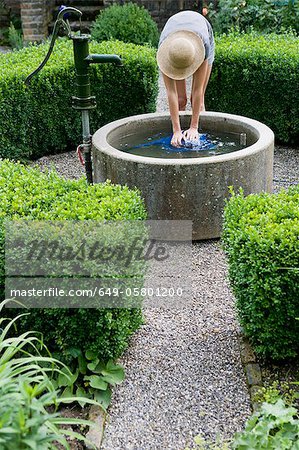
column 102, row 59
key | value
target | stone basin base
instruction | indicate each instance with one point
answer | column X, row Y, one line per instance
column 192, row 188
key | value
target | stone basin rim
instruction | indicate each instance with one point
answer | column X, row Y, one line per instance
column 265, row 137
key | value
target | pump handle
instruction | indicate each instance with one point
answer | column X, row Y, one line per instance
column 65, row 11
column 60, row 23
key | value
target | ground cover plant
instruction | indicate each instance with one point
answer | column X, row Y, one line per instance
column 282, row 379
column 273, row 426
column 272, row 392
column 260, row 236
column 258, row 77
column 127, row 23
column 38, row 120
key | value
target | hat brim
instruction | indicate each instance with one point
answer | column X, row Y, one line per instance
column 163, row 55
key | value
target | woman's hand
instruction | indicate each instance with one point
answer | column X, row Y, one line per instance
column 191, row 134
column 177, row 139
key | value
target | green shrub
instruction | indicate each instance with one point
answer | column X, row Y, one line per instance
column 15, row 37
column 26, row 193
column 260, row 236
column 266, row 16
column 38, row 120
column 258, row 77
column 127, row 23
column 273, row 427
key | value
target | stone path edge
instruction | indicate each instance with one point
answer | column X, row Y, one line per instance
column 95, row 434
column 251, row 369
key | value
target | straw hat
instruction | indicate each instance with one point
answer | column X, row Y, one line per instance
column 180, row 54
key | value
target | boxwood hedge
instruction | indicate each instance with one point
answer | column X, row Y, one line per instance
column 260, row 238
column 258, row 76
column 26, row 193
column 38, row 120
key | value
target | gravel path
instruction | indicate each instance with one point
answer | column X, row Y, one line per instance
column 184, row 374
column 183, row 368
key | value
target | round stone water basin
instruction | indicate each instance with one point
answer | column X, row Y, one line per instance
column 189, row 188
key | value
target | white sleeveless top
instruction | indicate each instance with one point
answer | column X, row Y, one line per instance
column 192, row 21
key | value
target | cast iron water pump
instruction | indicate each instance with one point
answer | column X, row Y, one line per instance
column 83, row 101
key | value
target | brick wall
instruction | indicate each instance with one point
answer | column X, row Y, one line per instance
column 4, row 20
column 35, row 16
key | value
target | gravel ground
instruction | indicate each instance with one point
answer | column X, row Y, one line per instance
column 66, row 164
column 286, row 167
column 183, row 368
column 4, row 49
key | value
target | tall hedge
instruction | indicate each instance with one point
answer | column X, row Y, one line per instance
column 258, row 76
column 26, row 193
column 260, row 236
column 38, row 120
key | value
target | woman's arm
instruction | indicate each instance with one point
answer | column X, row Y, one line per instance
column 197, row 99
column 173, row 104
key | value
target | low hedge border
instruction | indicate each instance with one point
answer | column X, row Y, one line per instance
column 27, row 193
column 258, row 76
column 260, row 236
column 39, row 120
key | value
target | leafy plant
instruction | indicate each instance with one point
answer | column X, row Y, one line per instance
column 44, row 107
column 15, row 37
column 200, row 443
column 257, row 76
column 27, row 392
column 92, row 378
column 127, row 23
column 274, row 426
column 265, row 16
column 260, row 236
column 275, row 391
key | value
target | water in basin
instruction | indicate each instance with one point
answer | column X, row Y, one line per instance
column 158, row 145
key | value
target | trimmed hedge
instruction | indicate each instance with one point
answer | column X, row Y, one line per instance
column 127, row 23
column 26, row 193
column 258, row 77
column 39, row 120
column 260, row 238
